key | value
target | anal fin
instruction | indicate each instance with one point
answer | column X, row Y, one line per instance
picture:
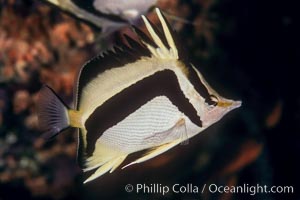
column 110, row 165
column 117, row 162
column 155, row 152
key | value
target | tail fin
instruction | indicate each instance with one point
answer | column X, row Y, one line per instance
column 52, row 113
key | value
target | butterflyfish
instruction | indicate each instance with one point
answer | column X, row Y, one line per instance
column 141, row 96
column 109, row 15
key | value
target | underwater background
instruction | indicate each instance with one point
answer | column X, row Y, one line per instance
column 246, row 50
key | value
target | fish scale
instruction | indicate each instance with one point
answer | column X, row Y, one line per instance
column 156, row 116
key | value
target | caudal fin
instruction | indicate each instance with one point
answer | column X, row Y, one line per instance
column 52, row 113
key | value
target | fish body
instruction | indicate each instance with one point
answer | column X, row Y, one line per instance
column 109, row 15
column 141, row 96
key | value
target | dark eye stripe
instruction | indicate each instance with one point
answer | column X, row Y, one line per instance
column 199, row 86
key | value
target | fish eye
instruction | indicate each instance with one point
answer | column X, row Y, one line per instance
column 212, row 101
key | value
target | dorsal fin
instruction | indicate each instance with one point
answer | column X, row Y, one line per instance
column 162, row 44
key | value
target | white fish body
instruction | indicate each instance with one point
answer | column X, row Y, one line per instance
column 154, row 100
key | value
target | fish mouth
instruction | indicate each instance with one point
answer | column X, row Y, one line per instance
column 234, row 105
column 216, row 114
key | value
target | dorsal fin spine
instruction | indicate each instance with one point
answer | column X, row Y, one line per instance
column 167, row 33
column 155, row 37
column 162, row 51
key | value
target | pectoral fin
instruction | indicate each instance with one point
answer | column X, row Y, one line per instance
column 178, row 131
column 181, row 125
column 155, row 152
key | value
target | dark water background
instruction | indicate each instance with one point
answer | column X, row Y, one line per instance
column 247, row 50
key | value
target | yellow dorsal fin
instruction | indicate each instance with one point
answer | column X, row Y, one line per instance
column 154, row 36
column 162, row 52
column 167, row 33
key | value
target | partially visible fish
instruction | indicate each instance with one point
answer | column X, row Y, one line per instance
column 141, row 96
column 109, row 15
